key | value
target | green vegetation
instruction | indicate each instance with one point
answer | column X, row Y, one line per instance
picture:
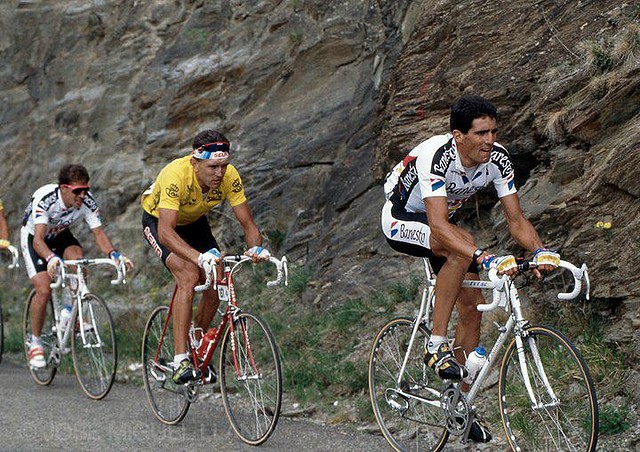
column 614, row 420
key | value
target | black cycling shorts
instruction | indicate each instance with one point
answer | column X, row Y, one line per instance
column 414, row 247
column 197, row 235
column 35, row 263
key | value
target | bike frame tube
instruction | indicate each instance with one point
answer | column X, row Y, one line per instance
column 166, row 325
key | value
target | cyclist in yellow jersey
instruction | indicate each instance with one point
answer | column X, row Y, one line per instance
column 176, row 227
column 4, row 229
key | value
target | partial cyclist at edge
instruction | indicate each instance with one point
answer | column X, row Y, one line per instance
column 45, row 240
column 4, row 229
column 423, row 193
column 175, row 226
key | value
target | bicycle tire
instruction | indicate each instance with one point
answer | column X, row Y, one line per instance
column 406, row 423
column 49, row 340
column 95, row 357
column 252, row 391
column 168, row 403
column 1, row 334
column 571, row 425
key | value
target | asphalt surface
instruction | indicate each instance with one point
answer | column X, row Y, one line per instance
column 60, row 416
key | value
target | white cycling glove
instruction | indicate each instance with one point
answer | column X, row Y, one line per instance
column 120, row 258
column 52, row 264
column 500, row 263
column 209, row 259
column 260, row 252
column 546, row 257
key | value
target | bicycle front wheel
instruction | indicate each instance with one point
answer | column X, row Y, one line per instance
column 407, row 408
column 251, row 378
column 48, row 338
column 564, row 414
column 93, row 346
column 166, row 399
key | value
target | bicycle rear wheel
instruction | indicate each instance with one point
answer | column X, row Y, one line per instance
column 409, row 412
column 94, row 355
column 566, row 417
column 49, row 341
column 251, row 378
column 166, row 399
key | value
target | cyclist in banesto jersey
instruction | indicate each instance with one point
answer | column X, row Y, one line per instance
column 439, row 172
column 423, row 193
column 45, row 240
column 175, row 226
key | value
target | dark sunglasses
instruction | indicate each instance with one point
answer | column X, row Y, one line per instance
column 77, row 189
column 219, row 146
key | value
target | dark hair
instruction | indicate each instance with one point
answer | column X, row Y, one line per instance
column 467, row 109
column 73, row 173
column 208, row 136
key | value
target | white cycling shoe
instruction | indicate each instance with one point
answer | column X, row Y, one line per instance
column 36, row 357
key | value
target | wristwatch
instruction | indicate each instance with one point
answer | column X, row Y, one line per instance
column 477, row 253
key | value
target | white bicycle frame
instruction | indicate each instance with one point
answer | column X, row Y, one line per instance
column 505, row 294
column 77, row 279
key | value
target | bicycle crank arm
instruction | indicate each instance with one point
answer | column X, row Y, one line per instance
column 408, row 395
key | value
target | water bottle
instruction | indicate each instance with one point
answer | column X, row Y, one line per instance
column 65, row 316
column 474, row 363
column 207, row 341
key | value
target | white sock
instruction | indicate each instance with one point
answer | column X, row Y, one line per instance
column 35, row 340
column 434, row 343
column 177, row 359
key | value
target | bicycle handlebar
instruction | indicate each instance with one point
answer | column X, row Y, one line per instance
column 579, row 275
column 14, row 256
column 211, row 274
column 120, row 267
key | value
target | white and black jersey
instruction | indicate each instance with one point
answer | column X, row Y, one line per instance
column 433, row 168
column 46, row 207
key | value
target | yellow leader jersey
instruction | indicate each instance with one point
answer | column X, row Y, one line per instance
column 177, row 188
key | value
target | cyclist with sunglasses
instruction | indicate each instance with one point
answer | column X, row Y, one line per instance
column 46, row 239
column 175, row 226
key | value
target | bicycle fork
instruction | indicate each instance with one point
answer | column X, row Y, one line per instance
column 522, row 359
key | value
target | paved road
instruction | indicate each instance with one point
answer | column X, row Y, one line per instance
column 59, row 416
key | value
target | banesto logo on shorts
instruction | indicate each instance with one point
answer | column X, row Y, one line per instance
column 412, row 235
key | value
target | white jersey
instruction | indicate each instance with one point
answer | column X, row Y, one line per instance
column 433, row 168
column 46, row 207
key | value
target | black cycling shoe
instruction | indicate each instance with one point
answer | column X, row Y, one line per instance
column 444, row 363
column 479, row 432
column 185, row 373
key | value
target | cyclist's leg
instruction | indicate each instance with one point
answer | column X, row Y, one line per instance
column 410, row 233
column 207, row 308
column 41, row 283
column 187, row 276
column 469, row 319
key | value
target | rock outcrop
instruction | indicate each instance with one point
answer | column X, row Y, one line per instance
column 319, row 100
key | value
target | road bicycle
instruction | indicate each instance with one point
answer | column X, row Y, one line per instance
column 12, row 253
column 546, row 395
column 90, row 329
column 249, row 367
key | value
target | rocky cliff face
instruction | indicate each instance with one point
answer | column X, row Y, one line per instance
column 319, row 99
